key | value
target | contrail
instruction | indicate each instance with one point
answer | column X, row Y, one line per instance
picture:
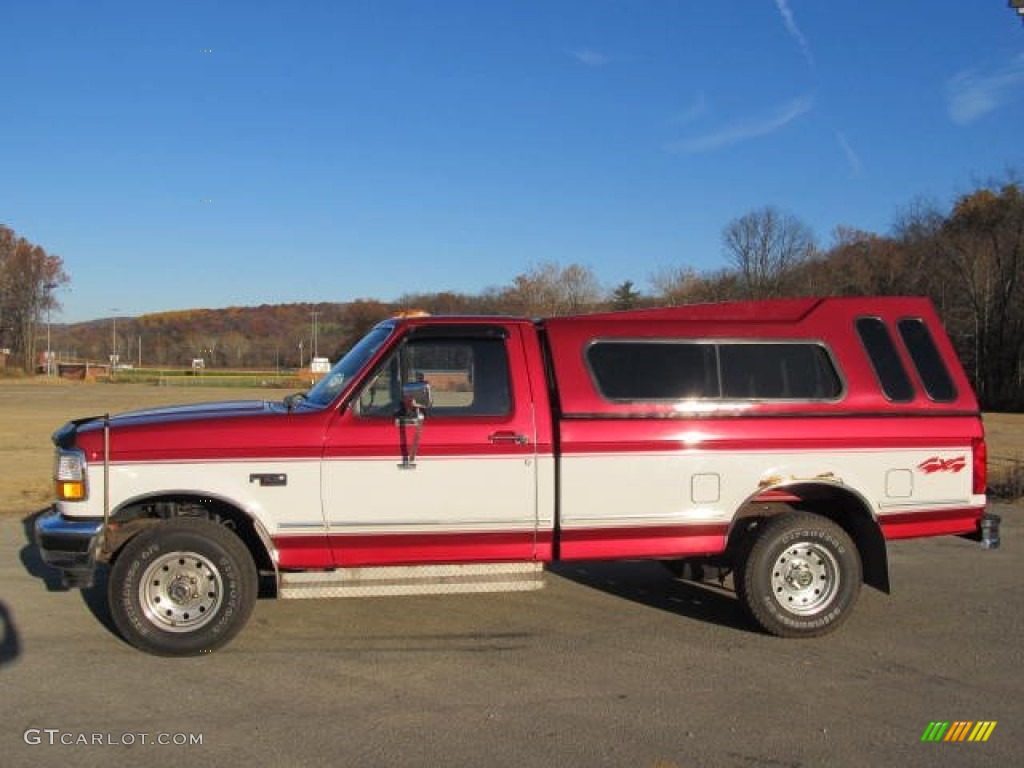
column 794, row 30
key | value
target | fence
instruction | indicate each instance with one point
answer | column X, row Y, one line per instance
column 176, row 377
column 1006, row 477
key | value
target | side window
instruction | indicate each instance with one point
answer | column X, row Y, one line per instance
column 778, row 371
column 885, row 360
column 382, row 396
column 467, row 377
column 927, row 360
column 671, row 370
column 645, row 370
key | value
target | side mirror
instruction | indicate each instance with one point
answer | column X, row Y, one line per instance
column 416, row 397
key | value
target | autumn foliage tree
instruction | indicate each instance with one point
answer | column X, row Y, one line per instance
column 29, row 277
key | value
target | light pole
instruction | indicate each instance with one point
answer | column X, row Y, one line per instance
column 113, row 341
column 49, row 305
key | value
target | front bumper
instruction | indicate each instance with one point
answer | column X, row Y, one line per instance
column 69, row 545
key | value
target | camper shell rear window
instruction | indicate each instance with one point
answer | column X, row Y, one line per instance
column 927, row 360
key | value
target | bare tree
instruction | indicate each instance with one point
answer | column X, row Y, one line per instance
column 763, row 246
column 580, row 289
column 676, row 286
column 982, row 241
column 548, row 290
column 8, row 241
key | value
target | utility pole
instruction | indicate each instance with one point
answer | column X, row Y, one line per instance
column 315, row 314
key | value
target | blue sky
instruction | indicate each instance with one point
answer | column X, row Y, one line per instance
column 208, row 154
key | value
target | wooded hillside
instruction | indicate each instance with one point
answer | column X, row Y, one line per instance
column 968, row 259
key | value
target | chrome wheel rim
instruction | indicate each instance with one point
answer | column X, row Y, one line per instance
column 805, row 578
column 181, row 591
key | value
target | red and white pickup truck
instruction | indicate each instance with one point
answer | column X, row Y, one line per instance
column 785, row 440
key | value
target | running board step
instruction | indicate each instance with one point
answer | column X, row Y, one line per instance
column 378, row 581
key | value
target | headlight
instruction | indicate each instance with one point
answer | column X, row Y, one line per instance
column 69, row 475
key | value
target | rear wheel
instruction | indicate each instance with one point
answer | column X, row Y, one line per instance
column 183, row 587
column 801, row 575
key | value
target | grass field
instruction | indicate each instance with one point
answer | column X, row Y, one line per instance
column 31, row 409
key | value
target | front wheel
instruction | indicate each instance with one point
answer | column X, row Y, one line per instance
column 800, row 577
column 183, row 587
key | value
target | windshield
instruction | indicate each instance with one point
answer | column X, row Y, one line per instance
column 331, row 385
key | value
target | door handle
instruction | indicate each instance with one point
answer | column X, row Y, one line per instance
column 507, row 436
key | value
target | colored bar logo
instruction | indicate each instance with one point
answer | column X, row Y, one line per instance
column 959, row 730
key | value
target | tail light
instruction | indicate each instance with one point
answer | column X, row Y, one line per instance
column 979, row 466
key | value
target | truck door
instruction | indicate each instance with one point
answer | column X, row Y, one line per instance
column 456, row 485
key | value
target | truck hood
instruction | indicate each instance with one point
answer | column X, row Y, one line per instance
column 168, row 414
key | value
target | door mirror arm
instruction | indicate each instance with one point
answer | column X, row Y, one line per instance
column 416, row 399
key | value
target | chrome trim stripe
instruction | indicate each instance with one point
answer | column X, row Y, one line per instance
column 896, row 413
column 920, row 505
column 674, row 519
column 511, row 524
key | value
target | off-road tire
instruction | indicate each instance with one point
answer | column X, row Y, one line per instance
column 183, row 587
column 800, row 576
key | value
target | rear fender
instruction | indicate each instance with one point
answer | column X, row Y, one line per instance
column 829, row 498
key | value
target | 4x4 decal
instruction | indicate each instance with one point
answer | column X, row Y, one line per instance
column 939, row 464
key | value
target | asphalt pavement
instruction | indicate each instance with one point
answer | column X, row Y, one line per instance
column 612, row 664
